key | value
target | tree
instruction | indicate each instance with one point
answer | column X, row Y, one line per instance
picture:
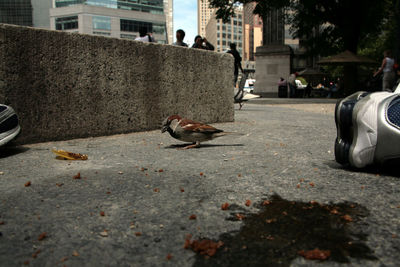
column 342, row 23
column 326, row 27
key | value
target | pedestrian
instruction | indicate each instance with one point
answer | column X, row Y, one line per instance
column 237, row 63
column 282, row 82
column 144, row 36
column 180, row 35
column 387, row 68
column 292, row 84
column 202, row 43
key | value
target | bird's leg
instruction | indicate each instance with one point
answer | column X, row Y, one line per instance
column 194, row 145
column 240, row 106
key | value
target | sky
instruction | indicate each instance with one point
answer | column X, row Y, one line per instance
column 185, row 18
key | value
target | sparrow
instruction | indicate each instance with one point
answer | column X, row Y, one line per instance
column 190, row 131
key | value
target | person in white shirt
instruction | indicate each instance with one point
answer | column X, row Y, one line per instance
column 144, row 36
column 389, row 75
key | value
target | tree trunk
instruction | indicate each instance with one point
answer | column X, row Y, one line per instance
column 350, row 79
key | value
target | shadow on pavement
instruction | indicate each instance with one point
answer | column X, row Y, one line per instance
column 390, row 168
column 177, row 146
column 283, row 230
column 8, row 151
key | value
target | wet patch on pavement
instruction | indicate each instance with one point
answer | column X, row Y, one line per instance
column 283, row 230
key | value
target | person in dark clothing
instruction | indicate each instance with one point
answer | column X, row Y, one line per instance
column 237, row 63
column 180, row 35
column 202, row 43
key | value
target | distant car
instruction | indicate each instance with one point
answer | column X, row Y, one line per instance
column 249, row 85
column 300, row 85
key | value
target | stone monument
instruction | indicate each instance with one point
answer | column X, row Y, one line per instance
column 273, row 59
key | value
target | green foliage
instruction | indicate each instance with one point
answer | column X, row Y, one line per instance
column 374, row 44
column 329, row 26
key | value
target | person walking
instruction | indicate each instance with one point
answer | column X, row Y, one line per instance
column 237, row 63
column 387, row 70
column 180, row 35
column 292, row 84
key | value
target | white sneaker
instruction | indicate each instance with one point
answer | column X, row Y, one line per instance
column 365, row 129
column 388, row 143
column 397, row 91
column 9, row 127
column 344, row 125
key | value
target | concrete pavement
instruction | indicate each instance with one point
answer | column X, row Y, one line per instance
column 135, row 200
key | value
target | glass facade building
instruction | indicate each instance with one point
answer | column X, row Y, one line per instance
column 222, row 34
column 231, row 32
column 18, row 12
column 148, row 6
column 114, row 18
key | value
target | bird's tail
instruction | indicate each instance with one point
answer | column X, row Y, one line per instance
column 228, row 133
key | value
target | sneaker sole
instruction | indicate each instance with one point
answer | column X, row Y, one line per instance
column 9, row 135
column 362, row 149
column 344, row 125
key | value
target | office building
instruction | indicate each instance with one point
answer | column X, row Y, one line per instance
column 222, row 34
column 113, row 18
column 40, row 14
column 204, row 13
column 168, row 11
column 18, row 12
column 252, row 32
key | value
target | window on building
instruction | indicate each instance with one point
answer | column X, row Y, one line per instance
column 134, row 26
column 67, row 23
column 62, row 3
column 103, row 3
column 101, row 23
column 128, row 36
column 102, row 33
column 150, row 6
column 159, row 28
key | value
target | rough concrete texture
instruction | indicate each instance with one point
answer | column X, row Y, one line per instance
column 143, row 184
column 66, row 85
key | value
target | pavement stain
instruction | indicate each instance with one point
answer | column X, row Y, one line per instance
column 283, row 230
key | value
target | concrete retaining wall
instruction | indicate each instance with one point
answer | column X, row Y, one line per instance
column 66, row 86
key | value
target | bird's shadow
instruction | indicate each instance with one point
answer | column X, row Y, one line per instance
column 181, row 146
